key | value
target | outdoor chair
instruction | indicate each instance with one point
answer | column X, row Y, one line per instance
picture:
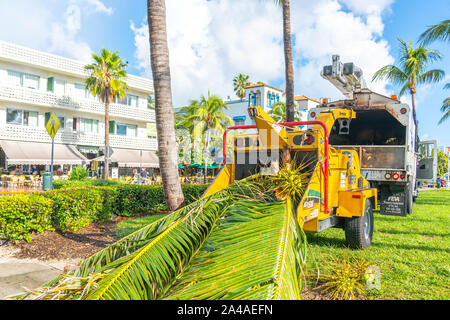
column 13, row 182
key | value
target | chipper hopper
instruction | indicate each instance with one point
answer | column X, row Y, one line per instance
column 335, row 195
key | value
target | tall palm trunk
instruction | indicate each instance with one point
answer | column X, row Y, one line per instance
column 289, row 69
column 165, row 120
column 106, row 173
column 413, row 98
column 413, row 102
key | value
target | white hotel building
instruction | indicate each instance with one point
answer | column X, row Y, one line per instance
column 265, row 96
column 35, row 83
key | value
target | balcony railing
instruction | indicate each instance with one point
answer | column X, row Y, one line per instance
column 33, row 134
column 12, row 52
column 40, row 98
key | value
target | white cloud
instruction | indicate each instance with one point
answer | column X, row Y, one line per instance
column 99, row 6
column 330, row 31
column 368, row 6
column 212, row 41
column 207, row 52
column 52, row 25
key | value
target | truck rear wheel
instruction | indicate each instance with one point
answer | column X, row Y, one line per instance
column 409, row 199
column 359, row 230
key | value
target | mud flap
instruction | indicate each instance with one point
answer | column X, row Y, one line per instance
column 394, row 204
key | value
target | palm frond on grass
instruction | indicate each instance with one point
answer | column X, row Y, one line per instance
column 143, row 264
column 253, row 253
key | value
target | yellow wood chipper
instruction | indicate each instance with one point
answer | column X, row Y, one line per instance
column 336, row 195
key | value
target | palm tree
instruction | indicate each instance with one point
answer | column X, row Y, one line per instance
column 411, row 71
column 445, row 106
column 167, row 149
column 439, row 31
column 288, row 61
column 278, row 112
column 106, row 81
column 239, row 83
column 206, row 115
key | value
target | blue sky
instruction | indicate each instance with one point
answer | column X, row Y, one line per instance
column 212, row 41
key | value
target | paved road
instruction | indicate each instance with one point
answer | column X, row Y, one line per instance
column 15, row 277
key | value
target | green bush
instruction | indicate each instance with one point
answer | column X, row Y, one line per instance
column 23, row 214
column 75, row 208
column 71, row 209
column 79, row 173
column 193, row 192
column 60, row 184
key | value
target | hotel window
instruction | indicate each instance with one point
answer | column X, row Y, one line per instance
column 23, row 79
column 126, row 130
column 30, row 81
column 85, row 125
column 88, row 125
column 80, row 90
column 14, row 116
column 129, row 100
column 15, row 78
column 60, row 87
column 21, row 117
column 30, row 118
column 131, row 131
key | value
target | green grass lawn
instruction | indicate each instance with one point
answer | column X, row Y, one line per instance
column 128, row 226
column 413, row 252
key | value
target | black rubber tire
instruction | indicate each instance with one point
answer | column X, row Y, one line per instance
column 358, row 234
column 409, row 199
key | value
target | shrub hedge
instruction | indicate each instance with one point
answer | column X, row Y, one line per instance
column 71, row 209
column 23, row 214
column 59, row 184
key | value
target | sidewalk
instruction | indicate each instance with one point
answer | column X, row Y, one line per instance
column 15, row 278
column 17, row 275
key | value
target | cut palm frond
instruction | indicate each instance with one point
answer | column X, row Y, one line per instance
column 254, row 252
column 143, row 264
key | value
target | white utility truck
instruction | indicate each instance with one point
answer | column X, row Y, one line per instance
column 383, row 134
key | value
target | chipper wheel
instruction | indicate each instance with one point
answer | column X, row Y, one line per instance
column 359, row 230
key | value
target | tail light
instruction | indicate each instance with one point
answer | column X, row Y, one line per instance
column 394, row 176
column 403, row 110
column 313, row 114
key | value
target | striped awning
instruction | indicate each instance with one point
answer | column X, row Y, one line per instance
column 132, row 158
column 29, row 153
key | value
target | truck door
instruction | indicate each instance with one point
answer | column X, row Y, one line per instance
column 427, row 161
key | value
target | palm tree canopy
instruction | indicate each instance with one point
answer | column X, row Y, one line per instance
column 412, row 68
column 439, row 31
column 239, row 83
column 206, row 113
column 278, row 112
column 106, row 76
column 445, row 106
